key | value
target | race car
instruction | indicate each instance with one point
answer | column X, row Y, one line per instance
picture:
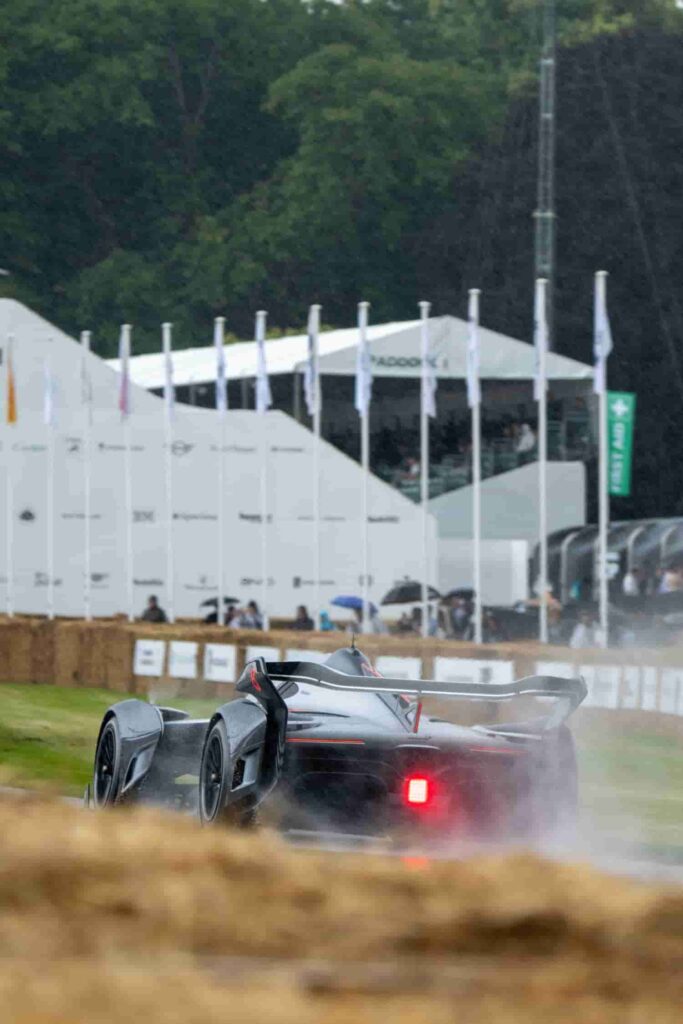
column 337, row 747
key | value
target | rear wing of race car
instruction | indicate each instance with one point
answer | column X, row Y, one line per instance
column 568, row 693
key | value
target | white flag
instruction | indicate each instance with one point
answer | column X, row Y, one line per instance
column 124, row 370
column 540, row 338
column 311, row 379
column 602, row 337
column 363, row 364
column 473, row 383
column 48, row 395
column 86, row 383
column 221, row 374
column 428, row 364
column 263, row 396
column 169, row 390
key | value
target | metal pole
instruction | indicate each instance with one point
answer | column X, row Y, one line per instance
column 544, row 215
column 424, row 462
column 50, row 497
column 128, row 491
column 86, row 401
column 317, row 408
column 541, row 286
column 168, row 471
column 603, row 493
column 219, row 341
column 476, row 480
column 365, row 466
column 261, row 333
column 10, row 486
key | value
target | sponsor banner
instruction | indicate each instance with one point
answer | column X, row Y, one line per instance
column 399, row 668
column 648, row 700
column 295, row 654
column 203, row 584
column 148, row 659
column 669, row 689
column 473, row 670
column 220, row 663
column 182, row 659
column 561, row 669
column 630, row 687
column 267, row 653
column 603, row 685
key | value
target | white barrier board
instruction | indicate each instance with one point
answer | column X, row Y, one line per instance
column 220, row 662
column 182, row 659
column 148, row 659
column 267, row 653
column 399, row 668
column 473, row 670
column 317, row 657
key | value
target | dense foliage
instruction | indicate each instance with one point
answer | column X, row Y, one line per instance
column 171, row 159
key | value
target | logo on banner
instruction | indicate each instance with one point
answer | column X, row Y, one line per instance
column 299, row 581
column 181, row 447
column 80, row 515
column 203, row 583
column 384, row 519
column 148, row 583
column 42, row 579
column 27, row 515
column 143, row 515
column 254, row 517
column 249, row 581
column 189, row 516
column 296, row 451
column 99, row 580
column 104, row 447
column 73, row 445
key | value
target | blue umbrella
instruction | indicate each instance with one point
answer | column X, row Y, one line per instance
column 349, row 601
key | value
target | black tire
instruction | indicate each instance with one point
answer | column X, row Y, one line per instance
column 214, row 775
column 107, row 772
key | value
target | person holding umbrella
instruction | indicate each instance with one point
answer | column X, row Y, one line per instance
column 375, row 623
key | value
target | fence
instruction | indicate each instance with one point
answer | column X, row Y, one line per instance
column 199, row 659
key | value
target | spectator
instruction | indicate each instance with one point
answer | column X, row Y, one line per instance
column 458, row 616
column 526, row 440
column 326, row 624
column 248, row 618
column 630, row 585
column 303, row 620
column 375, row 624
column 153, row 612
column 404, row 624
column 583, row 634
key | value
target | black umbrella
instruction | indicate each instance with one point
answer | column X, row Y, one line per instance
column 212, row 602
column 409, row 592
column 466, row 593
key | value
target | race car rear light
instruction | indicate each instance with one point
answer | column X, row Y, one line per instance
column 417, row 791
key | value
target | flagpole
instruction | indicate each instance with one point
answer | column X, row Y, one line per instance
column 475, row 403
column 603, row 498
column 166, row 330
column 262, row 407
column 221, row 404
column 542, row 397
column 50, row 483
column 86, row 408
column 127, row 469
column 10, row 419
column 424, row 461
column 314, row 329
column 365, row 462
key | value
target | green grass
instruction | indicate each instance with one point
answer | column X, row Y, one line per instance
column 48, row 733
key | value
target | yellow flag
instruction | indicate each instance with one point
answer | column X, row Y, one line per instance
column 11, row 388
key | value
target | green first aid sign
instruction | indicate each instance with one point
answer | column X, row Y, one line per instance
column 621, row 414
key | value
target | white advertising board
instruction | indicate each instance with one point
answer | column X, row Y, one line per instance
column 182, row 659
column 261, row 651
column 148, row 658
column 399, row 668
column 317, row 657
column 220, row 663
column 473, row 670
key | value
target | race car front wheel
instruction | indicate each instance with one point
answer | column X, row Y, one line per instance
column 213, row 774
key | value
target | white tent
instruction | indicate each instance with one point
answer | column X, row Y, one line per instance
column 393, row 519
column 395, row 352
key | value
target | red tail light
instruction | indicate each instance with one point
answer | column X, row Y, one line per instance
column 418, row 791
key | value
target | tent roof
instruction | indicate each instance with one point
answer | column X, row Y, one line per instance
column 395, row 352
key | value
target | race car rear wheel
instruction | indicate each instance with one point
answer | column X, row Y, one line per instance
column 107, row 777
column 213, row 774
